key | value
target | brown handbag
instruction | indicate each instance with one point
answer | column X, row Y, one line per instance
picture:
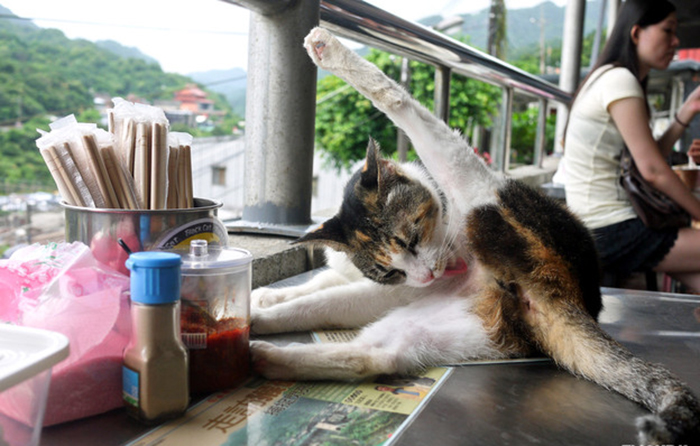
column 655, row 208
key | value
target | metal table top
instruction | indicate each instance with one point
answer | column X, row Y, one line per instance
column 513, row 403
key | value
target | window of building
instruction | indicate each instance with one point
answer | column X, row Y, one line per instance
column 218, row 176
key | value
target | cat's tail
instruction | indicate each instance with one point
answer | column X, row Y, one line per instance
column 576, row 342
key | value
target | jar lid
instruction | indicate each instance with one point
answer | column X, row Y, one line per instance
column 202, row 258
column 155, row 277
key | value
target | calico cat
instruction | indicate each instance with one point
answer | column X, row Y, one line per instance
column 449, row 261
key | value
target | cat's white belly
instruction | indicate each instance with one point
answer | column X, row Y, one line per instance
column 439, row 329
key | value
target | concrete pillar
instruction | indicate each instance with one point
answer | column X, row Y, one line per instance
column 280, row 114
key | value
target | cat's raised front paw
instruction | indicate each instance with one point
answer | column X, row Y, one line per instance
column 323, row 48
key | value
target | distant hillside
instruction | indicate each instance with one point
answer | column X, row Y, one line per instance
column 125, row 52
column 18, row 23
column 45, row 74
column 230, row 83
column 523, row 25
column 42, row 72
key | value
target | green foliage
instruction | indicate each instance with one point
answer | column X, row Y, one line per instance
column 524, row 133
column 21, row 160
column 43, row 72
column 345, row 119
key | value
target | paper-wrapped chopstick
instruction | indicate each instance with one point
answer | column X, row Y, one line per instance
column 67, row 187
column 142, row 164
column 173, row 175
column 99, row 169
column 137, row 165
column 159, row 166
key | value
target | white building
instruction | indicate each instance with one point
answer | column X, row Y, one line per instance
column 218, row 171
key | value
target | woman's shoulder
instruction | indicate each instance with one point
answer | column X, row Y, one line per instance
column 615, row 83
column 613, row 74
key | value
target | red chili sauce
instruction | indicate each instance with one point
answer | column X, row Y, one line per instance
column 219, row 359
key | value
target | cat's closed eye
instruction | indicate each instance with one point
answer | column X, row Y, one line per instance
column 394, row 275
column 408, row 245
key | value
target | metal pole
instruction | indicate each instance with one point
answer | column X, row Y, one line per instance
column 570, row 61
column 280, row 116
column 541, row 138
column 441, row 96
column 502, row 155
column 264, row 7
column 613, row 9
column 401, row 138
column 598, row 32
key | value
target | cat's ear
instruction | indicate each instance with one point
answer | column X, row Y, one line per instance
column 330, row 233
column 369, row 177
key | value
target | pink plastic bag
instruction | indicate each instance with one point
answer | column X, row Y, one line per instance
column 61, row 287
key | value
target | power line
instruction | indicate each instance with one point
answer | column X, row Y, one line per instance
column 151, row 28
column 223, row 81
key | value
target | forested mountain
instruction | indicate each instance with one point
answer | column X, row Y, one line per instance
column 44, row 74
column 125, row 52
column 523, row 25
column 231, row 83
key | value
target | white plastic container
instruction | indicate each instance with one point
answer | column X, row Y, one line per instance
column 26, row 358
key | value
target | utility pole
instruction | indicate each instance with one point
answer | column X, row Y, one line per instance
column 497, row 29
column 540, row 23
column 542, row 43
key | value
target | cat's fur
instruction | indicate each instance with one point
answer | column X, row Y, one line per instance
column 450, row 262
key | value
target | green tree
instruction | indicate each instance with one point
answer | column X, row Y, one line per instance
column 21, row 161
column 524, row 133
column 345, row 119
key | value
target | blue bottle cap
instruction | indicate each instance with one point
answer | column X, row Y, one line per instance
column 155, row 277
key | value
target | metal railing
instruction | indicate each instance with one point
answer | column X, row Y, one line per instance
column 272, row 20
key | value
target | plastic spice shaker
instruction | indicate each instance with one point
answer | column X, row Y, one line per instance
column 155, row 382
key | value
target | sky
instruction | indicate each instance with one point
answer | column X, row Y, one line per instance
column 185, row 38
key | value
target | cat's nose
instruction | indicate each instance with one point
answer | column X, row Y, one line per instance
column 429, row 277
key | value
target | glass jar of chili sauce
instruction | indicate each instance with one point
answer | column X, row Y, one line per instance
column 215, row 315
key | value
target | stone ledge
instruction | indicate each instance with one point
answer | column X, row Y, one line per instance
column 275, row 258
column 536, row 176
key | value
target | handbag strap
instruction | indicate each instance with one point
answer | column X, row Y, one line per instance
column 595, row 76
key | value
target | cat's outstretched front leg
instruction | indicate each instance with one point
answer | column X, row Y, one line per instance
column 340, row 272
column 267, row 297
column 344, row 306
column 462, row 175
